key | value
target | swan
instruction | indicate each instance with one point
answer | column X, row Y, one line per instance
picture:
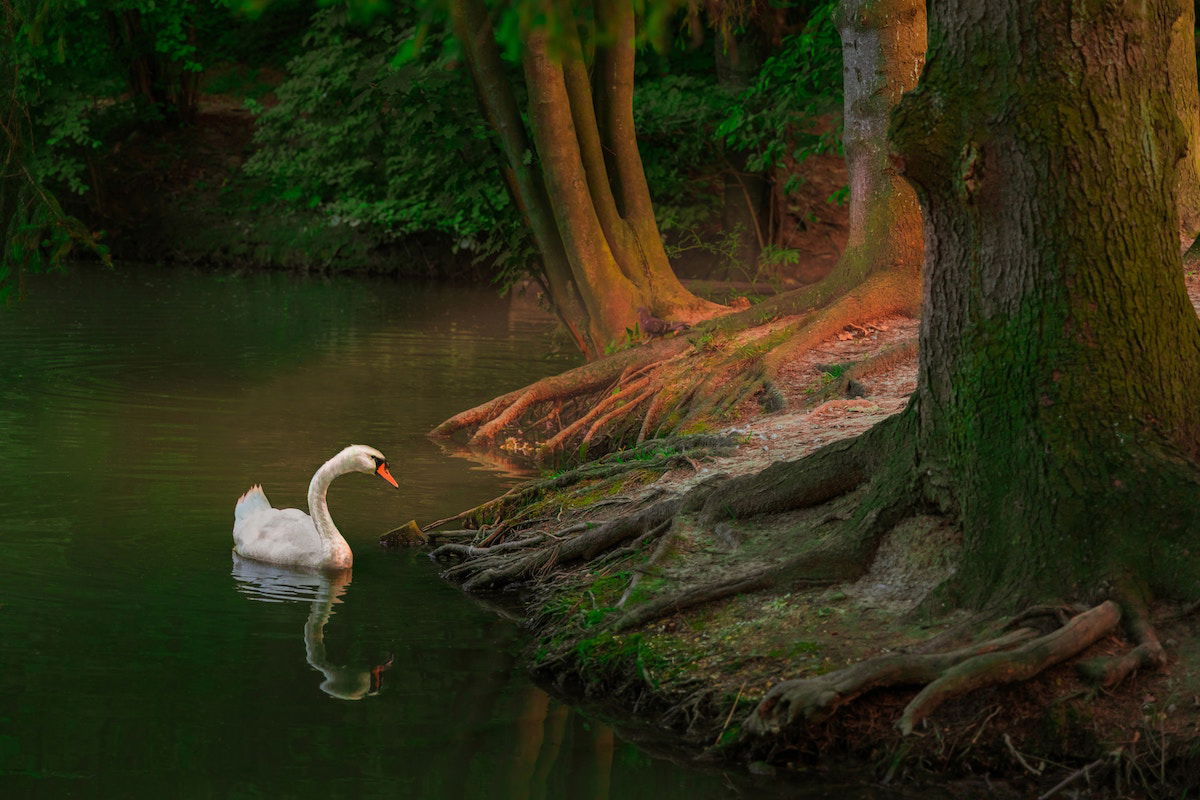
column 290, row 537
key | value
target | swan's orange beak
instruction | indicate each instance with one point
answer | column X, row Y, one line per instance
column 382, row 471
column 377, row 673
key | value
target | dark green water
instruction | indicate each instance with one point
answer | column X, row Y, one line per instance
column 136, row 660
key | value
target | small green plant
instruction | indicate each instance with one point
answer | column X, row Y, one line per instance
column 704, row 341
column 775, row 256
column 779, row 604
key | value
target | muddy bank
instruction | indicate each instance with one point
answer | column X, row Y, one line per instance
column 600, row 560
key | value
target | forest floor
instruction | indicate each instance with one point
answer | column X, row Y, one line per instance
column 698, row 673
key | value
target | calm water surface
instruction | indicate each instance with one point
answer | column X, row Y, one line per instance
column 136, row 659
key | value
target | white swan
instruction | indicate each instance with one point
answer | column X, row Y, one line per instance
column 291, row 537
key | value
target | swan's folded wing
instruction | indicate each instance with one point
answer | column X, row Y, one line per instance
column 253, row 501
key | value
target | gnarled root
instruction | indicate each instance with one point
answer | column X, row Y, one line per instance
column 493, row 571
column 654, row 455
column 1015, row 656
column 841, row 554
column 1148, row 651
column 1015, row 665
column 834, row 470
column 684, row 380
column 815, row 699
column 491, row 417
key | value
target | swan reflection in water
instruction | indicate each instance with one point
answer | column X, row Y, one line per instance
column 274, row 584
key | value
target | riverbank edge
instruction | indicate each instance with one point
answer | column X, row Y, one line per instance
column 685, row 694
column 690, row 680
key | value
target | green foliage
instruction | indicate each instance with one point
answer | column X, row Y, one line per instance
column 396, row 145
column 780, row 115
column 35, row 232
column 676, row 115
column 610, row 652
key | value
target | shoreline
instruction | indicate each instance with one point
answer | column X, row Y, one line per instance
column 698, row 673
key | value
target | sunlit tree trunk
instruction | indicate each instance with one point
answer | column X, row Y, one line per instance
column 581, row 184
column 611, row 298
column 474, row 31
column 879, row 272
column 648, row 267
column 1056, row 409
column 1182, row 76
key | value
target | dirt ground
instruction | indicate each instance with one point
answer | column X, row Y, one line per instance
column 700, row 672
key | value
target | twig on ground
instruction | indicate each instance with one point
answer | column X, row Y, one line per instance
column 1074, row 776
column 729, row 716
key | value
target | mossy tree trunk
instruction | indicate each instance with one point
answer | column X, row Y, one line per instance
column 879, row 273
column 581, row 183
column 1059, row 355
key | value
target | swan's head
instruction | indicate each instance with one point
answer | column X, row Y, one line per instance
column 360, row 458
column 354, row 684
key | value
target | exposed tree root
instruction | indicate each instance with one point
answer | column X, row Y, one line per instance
column 659, row 454
column 883, row 293
column 1147, row 652
column 1015, row 665
column 1015, row 656
column 581, row 380
column 496, row 570
column 814, row 699
column 821, row 556
column 681, row 381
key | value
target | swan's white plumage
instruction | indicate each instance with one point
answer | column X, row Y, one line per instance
column 290, row 537
column 253, row 501
column 279, row 536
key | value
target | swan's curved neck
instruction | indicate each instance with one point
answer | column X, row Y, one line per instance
column 336, row 548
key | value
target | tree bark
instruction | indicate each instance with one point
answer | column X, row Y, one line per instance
column 474, row 31
column 591, row 216
column 883, row 49
column 1059, row 356
column 611, row 299
column 614, row 70
column 1181, row 75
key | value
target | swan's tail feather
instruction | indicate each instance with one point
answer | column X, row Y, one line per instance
column 253, row 501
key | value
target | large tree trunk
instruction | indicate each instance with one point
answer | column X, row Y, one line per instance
column 1060, row 358
column 1182, row 77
